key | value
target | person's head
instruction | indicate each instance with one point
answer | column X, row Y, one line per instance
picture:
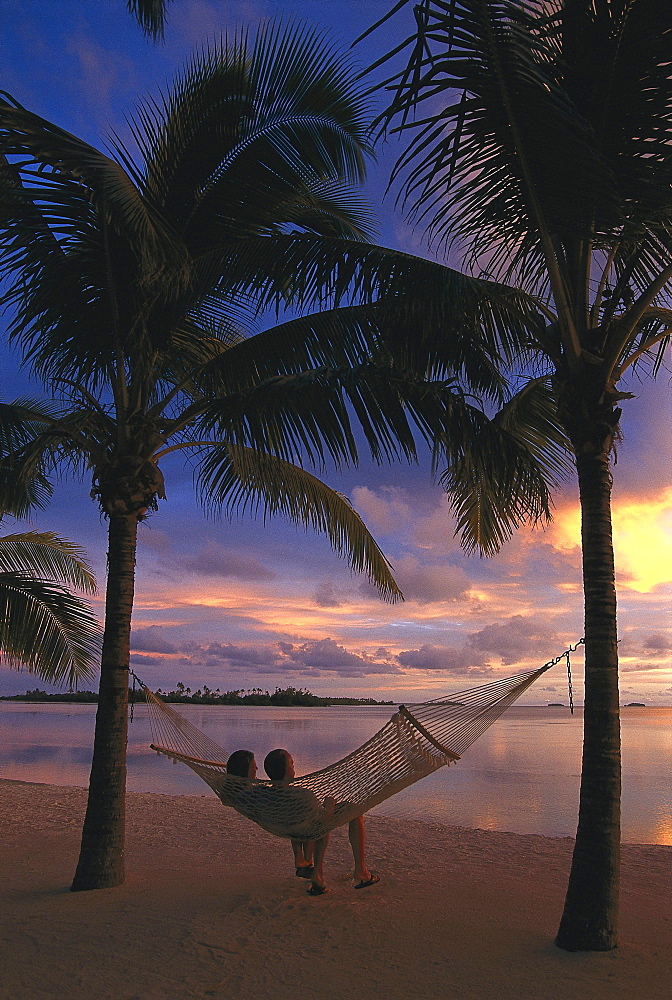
column 242, row 764
column 279, row 765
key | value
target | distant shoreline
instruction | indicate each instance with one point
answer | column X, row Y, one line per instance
column 280, row 698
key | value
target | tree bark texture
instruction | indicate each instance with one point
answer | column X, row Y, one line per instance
column 101, row 859
column 589, row 920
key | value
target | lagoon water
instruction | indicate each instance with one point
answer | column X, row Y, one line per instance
column 521, row 776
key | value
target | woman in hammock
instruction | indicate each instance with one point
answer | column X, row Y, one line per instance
column 242, row 764
column 279, row 766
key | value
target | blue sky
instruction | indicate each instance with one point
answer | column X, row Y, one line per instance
column 248, row 604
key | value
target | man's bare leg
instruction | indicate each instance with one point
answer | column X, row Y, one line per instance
column 303, row 856
column 357, row 837
column 317, row 878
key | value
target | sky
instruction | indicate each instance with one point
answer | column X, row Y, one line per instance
column 247, row 604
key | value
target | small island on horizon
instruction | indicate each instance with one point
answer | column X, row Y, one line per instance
column 282, row 697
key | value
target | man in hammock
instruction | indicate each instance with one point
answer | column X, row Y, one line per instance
column 279, row 766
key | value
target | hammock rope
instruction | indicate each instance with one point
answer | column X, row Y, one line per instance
column 415, row 742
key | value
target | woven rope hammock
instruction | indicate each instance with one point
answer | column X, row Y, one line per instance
column 414, row 743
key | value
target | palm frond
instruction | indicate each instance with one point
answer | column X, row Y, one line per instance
column 328, row 207
column 309, row 414
column 46, row 556
column 266, row 118
column 503, row 476
column 476, row 317
column 66, row 176
column 234, row 478
column 47, row 630
column 545, row 131
column 531, row 418
column 23, row 484
column 150, row 14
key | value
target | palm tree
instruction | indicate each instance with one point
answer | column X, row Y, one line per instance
column 122, row 303
column 539, row 147
column 44, row 628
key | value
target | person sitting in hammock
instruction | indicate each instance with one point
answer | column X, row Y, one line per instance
column 276, row 807
column 245, row 796
column 242, row 764
column 279, row 766
column 276, row 767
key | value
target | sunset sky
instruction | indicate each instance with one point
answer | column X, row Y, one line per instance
column 248, row 604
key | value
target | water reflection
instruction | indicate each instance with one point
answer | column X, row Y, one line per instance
column 522, row 775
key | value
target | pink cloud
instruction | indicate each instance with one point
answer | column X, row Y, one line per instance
column 384, row 511
column 430, row 583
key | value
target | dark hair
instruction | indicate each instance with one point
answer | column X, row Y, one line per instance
column 239, row 763
column 275, row 764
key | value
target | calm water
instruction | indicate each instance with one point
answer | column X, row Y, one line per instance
column 522, row 775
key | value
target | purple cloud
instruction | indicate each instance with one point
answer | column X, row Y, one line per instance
column 151, row 640
column 215, row 560
column 514, row 639
column 428, row 584
column 218, row 654
column 326, row 596
column 657, row 643
column 632, row 668
column 448, row 659
column 328, row 655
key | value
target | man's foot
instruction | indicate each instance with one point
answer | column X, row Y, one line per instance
column 304, row 871
column 365, row 882
column 317, row 890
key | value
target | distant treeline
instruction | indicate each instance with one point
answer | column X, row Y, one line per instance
column 184, row 695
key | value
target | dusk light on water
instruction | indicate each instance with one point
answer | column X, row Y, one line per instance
column 521, row 776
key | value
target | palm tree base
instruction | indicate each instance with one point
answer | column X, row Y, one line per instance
column 91, row 880
column 585, row 938
column 100, row 865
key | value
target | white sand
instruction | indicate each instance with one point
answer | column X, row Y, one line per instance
column 211, row 908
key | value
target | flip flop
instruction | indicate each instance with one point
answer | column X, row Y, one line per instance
column 317, row 890
column 367, row 882
column 304, row 871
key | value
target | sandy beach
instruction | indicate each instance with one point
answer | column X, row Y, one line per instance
column 211, row 908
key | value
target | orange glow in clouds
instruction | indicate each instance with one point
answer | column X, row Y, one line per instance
column 642, row 539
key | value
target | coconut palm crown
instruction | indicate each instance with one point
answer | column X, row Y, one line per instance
column 538, row 145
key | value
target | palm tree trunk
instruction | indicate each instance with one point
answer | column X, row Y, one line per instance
column 589, row 920
column 101, row 859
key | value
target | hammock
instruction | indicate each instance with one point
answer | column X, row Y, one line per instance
column 410, row 746
column 414, row 743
